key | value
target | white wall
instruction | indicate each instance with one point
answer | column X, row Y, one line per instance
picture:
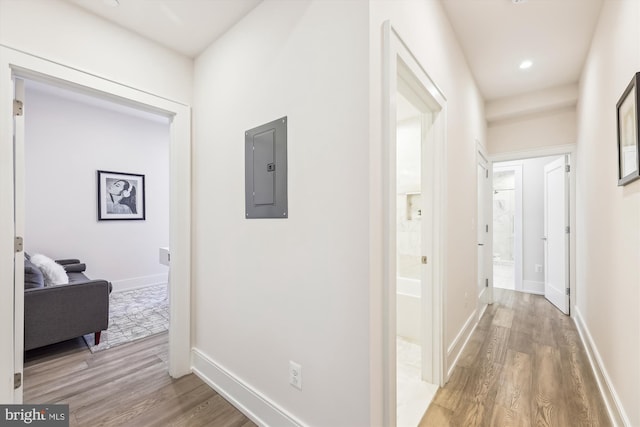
column 608, row 216
column 67, row 140
column 409, row 198
column 409, row 149
column 532, row 131
column 63, row 33
column 539, row 101
column 425, row 29
column 267, row 291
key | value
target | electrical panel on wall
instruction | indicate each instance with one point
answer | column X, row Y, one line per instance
column 265, row 149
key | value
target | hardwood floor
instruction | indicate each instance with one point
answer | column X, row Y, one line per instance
column 127, row 385
column 523, row 366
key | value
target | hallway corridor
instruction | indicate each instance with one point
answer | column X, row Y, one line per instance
column 523, row 366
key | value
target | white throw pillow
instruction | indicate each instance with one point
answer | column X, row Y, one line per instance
column 53, row 272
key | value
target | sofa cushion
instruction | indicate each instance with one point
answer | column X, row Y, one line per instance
column 76, row 277
column 33, row 277
column 54, row 273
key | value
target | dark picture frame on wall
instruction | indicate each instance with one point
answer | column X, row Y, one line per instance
column 121, row 196
column 628, row 142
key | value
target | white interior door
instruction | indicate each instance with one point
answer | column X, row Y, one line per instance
column 556, row 237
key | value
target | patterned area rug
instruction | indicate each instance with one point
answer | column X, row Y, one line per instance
column 133, row 315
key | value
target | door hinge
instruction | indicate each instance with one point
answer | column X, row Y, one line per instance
column 486, row 228
column 486, row 283
column 18, row 244
column 17, row 380
column 567, row 291
column 424, row 259
column 567, row 229
column 487, row 171
column 567, row 168
column 17, row 107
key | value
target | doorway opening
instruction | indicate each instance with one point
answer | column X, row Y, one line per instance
column 69, row 136
column 507, row 225
column 531, row 227
column 413, row 392
column 413, row 248
column 17, row 66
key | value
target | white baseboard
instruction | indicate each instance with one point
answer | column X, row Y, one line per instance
column 250, row 402
column 612, row 401
column 481, row 312
column 139, row 282
column 533, row 287
column 455, row 349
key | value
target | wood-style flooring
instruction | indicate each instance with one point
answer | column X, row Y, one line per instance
column 127, row 385
column 523, row 366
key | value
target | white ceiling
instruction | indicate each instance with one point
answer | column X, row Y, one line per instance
column 497, row 35
column 186, row 26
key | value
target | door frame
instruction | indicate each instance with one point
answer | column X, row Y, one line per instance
column 484, row 202
column 558, row 150
column 399, row 63
column 16, row 64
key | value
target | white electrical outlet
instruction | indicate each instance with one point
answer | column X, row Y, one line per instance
column 538, row 268
column 295, row 375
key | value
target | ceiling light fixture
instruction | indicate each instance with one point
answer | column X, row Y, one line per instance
column 526, row 64
column 111, row 3
column 518, row 1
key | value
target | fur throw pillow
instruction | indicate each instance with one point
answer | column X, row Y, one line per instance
column 53, row 273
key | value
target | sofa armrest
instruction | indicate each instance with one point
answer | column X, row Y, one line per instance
column 57, row 313
column 67, row 261
column 74, row 268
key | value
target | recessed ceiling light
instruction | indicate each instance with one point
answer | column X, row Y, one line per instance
column 518, row 1
column 526, row 64
column 111, row 3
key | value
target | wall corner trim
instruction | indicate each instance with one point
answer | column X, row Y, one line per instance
column 247, row 400
column 612, row 401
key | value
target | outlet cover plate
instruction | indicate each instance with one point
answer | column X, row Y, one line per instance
column 295, row 375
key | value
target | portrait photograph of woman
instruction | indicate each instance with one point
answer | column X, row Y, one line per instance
column 120, row 196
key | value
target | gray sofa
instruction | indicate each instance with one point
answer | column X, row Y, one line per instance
column 57, row 313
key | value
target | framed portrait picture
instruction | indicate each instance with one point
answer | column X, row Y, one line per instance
column 628, row 145
column 120, row 196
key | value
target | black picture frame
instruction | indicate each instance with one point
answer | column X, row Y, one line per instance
column 628, row 117
column 121, row 196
